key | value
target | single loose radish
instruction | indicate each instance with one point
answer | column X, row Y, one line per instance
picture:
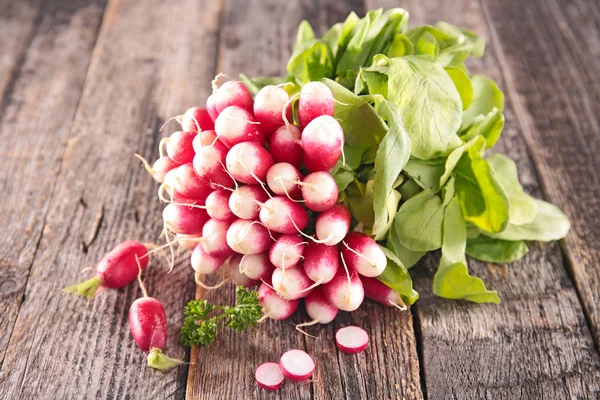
column 381, row 293
column 268, row 376
column 214, row 242
column 282, row 215
column 268, row 108
column 321, row 262
column 185, row 219
column 248, row 162
column 196, row 116
column 351, row 339
column 204, row 263
column 179, row 146
column 319, row 191
column 332, row 225
column 256, row 266
column 248, row 237
column 189, row 184
column 232, row 93
column 204, row 138
column 283, row 178
column 291, row 283
column 322, row 143
column 363, row 254
column 217, row 206
column 116, row 269
column 209, row 165
column 245, row 201
column 188, row 242
column 316, row 99
column 274, row 306
column 235, row 125
column 296, row 365
column 285, row 145
column 287, row 251
column 160, row 168
column 345, row 291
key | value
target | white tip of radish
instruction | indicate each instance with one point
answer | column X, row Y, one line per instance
column 269, row 376
column 296, row 365
column 320, row 192
column 248, row 162
column 363, row 254
column 351, row 339
column 333, row 225
column 235, row 125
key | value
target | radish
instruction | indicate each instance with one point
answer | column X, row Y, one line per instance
column 316, row 99
column 286, row 145
column 196, row 116
column 322, row 143
column 287, row 251
column 203, row 263
column 235, row 125
column 319, row 191
column 210, row 107
column 232, row 93
column 256, row 266
column 209, row 165
column 344, row 291
column 248, row 237
column 239, row 278
column 204, row 138
column 245, row 201
column 168, row 184
column 248, row 162
column 283, row 178
column 118, row 268
column 185, row 219
column 217, row 206
column 188, row 242
column 332, row 225
column 363, row 254
column 187, row 183
column 282, row 215
column 321, row 262
column 179, row 146
column 273, row 305
column 318, row 308
column 381, row 293
column 296, row 365
column 160, row 168
column 268, row 108
column 214, row 242
column 291, row 283
column 268, row 376
column 351, row 339
column 148, row 324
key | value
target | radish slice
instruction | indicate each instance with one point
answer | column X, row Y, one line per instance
column 296, row 365
column 268, row 376
column 351, row 339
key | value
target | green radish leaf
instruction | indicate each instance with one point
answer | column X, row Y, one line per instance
column 401, row 46
column 496, row 250
column 396, row 276
column 486, row 96
column 392, row 208
column 343, row 178
column 418, row 224
column 311, row 61
column 408, row 258
column 409, row 189
column 338, row 35
column 463, row 85
column 426, row 173
column 489, row 126
column 305, row 34
column 427, row 45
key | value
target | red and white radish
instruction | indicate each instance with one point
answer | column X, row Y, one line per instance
column 287, row 251
column 196, row 116
column 363, row 254
column 345, row 291
column 268, row 376
column 318, row 308
column 235, row 125
column 282, row 215
column 296, row 365
column 268, row 108
column 316, row 99
column 291, row 283
column 118, row 268
column 214, row 242
column 211, row 108
column 185, row 219
column 217, row 206
column 381, row 293
column 204, row 138
column 188, row 242
column 248, row 237
column 273, row 305
column 232, row 93
column 285, row 145
column 351, row 339
column 255, row 266
column 245, row 201
column 248, row 162
column 203, row 263
column 179, row 146
column 283, row 178
column 160, row 168
column 209, row 165
column 319, row 191
column 187, row 183
column 322, row 143
column 238, row 278
column 332, row 225
column 321, row 262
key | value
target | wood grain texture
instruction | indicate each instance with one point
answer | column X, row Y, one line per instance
column 536, row 344
column 256, row 38
column 152, row 60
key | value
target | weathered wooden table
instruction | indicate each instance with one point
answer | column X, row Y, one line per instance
column 85, row 84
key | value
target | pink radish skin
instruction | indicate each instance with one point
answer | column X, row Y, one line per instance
column 296, row 365
column 214, row 241
column 148, row 324
column 248, row 237
column 204, row 138
column 179, row 146
column 343, row 296
column 363, row 255
column 282, row 215
column 204, row 263
column 256, row 266
column 187, row 183
column 161, row 167
column 286, row 145
column 282, row 178
column 333, row 225
column 188, row 242
column 322, row 143
column 318, row 308
column 321, row 262
column 249, row 162
column 381, row 293
column 268, row 376
column 245, row 201
column 232, row 93
column 201, row 115
column 351, row 339
column 118, row 268
column 209, row 165
column 291, row 283
column 217, row 206
column 179, row 218
column 316, row 99
column 210, row 107
column 320, row 192
column 287, row 251
column 274, row 306
column 268, row 107
column 235, row 125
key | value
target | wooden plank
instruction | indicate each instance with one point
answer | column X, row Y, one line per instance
column 44, row 62
column 150, row 63
column 536, row 344
column 388, row 369
column 553, row 74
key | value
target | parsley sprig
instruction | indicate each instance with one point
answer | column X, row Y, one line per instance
column 200, row 325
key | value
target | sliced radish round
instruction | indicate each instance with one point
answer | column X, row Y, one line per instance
column 296, row 365
column 268, row 376
column 351, row 339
